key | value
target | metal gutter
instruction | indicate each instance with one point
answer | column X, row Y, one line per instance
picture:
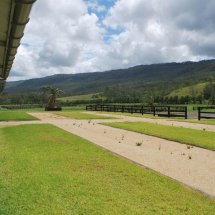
column 19, row 19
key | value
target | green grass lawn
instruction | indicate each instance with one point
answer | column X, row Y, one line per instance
column 189, row 136
column 82, row 115
column 45, row 170
column 15, row 116
column 207, row 122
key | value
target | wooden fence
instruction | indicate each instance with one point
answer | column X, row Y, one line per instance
column 165, row 111
column 206, row 112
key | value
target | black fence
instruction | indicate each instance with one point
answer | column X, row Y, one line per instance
column 165, row 111
column 206, row 112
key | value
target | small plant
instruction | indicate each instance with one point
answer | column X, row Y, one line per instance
column 139, row 144
column 188, row 147
column 89, row 121
column 159, row 147
column 189, row 157
column 105, row 132
column 204, row 129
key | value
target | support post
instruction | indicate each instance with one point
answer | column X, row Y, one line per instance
column 199, row 113
column 185, row 112
column 154, row 110
column 168, row 111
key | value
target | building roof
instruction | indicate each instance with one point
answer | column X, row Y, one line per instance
column 14, row 15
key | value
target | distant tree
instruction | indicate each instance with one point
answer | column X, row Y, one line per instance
column 209, row 90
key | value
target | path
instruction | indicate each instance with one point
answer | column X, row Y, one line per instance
column 194, row 167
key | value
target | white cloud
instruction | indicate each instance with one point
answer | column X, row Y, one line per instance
column 163, row 32
column 63, row 37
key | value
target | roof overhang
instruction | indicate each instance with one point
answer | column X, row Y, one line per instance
column 14, row 15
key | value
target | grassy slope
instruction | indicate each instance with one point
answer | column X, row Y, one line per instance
column 81, row 115
column 189, row 136
column 50, row 171
column 15, row 116
column 197, row 89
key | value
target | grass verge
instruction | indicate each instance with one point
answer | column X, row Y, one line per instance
column 50, row 171
column 204, row 139
column 15, row 116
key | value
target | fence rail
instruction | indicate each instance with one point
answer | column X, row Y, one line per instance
column 165, row 111
column 206, row 112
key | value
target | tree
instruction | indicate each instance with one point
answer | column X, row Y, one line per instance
column 209, row 90
column 52, row 92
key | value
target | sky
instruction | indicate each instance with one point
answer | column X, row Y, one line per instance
column 78, row 36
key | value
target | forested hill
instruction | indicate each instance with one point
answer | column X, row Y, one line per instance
column 159, row 78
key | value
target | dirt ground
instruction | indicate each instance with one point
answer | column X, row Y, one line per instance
column 194, row 167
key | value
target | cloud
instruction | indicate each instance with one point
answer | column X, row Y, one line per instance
column 94, row 35
column 155, row 32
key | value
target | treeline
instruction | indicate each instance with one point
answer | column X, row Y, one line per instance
column 21, row 98
column 206, row 97
column 209, row 90
column 120, row 94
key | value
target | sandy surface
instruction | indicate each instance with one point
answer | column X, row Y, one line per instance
column 194, row 167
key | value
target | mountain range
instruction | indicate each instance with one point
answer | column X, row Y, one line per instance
column 157, row 78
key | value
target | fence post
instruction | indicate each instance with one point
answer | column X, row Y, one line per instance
column 168, row 111
column 154, row 110
column 142, row 110
column 199, row 113
column 186, row 112
column 131, row 109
